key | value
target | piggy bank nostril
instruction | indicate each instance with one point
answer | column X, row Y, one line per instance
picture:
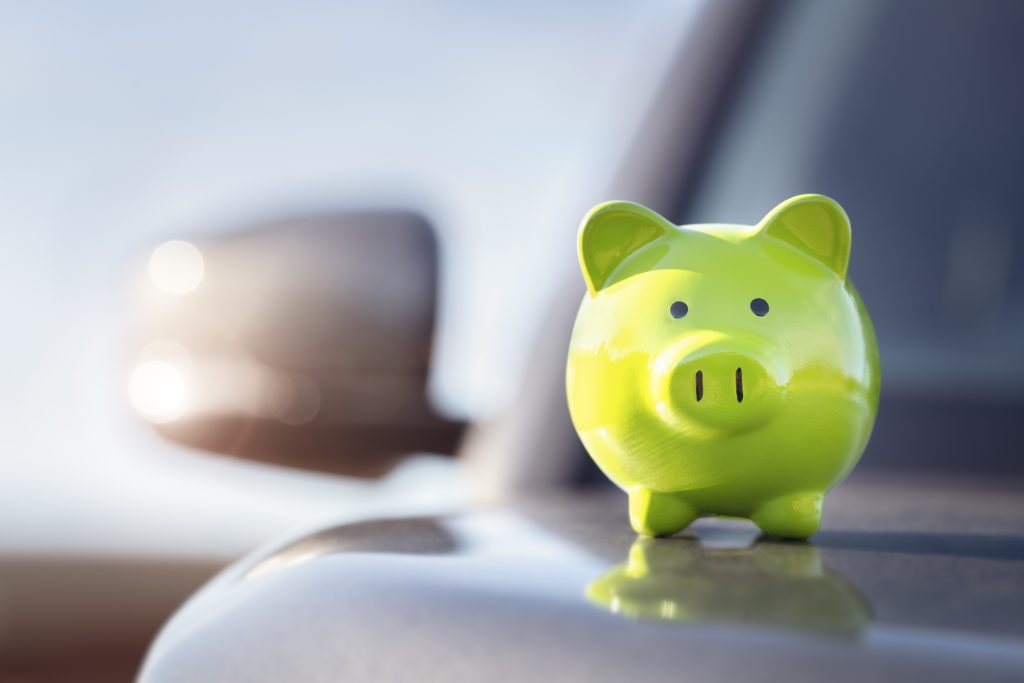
column 721, row 386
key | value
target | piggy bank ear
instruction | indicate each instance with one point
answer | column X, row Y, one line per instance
column 814, row 224
column 612, row 231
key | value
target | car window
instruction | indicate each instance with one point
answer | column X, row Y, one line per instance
column 924, row 148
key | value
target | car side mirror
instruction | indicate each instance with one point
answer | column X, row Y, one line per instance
column 305, row 342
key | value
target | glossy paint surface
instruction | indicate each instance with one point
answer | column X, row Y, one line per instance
column 755, row 401
column 910, row 579
column 781, row 585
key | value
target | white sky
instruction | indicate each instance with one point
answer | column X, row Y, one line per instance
column 122, row 126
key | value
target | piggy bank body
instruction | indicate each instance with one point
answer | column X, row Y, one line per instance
column 722, row 369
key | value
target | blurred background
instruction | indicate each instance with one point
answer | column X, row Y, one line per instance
column 267, row 265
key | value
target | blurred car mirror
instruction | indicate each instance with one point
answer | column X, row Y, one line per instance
column 304, row 342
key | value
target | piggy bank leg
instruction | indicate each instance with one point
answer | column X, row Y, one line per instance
column 796, row 516
column 658, row 514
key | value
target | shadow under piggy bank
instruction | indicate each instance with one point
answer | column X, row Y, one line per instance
column 782, row 585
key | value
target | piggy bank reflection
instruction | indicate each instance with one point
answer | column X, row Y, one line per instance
column 767, row 584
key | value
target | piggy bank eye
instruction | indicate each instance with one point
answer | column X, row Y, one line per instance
column 679, row 309
column 759, row 307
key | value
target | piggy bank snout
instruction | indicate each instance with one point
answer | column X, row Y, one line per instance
column 732, row 387
column 722, row 377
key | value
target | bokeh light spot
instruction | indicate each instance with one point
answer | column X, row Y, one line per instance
column 293, row 399
column 157, row 390
column 176, row 267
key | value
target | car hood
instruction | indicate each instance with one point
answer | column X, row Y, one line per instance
column 910, row 577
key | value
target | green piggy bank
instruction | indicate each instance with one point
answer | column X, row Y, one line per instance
column 722, row 369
